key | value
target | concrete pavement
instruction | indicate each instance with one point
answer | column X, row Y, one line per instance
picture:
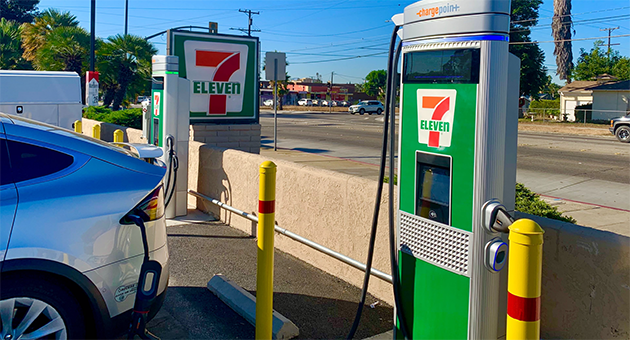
column 321, row 305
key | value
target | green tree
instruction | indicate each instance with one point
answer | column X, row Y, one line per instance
column 551, row 89
column 123, row 60
column 20, row 11
column 66, row 48
column 10, row 46
column 375, row 84
column 533, row 72
column 621, row 69
column 561, row 27
column 598, row 61
column 34, row 35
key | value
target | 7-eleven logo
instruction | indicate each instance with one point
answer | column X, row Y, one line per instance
column 226, row 64
column 436, row 109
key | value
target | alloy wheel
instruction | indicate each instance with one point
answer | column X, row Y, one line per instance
column 27, row 318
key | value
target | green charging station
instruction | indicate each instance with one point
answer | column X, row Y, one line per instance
column 166, row 125
column 457, row 163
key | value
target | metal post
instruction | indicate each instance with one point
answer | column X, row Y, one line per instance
column 264, row 268
column 524, row 280
column 96, row 131
column 118, row 136
column 126, row 15
column 78, row 126
column 331, row 96
column 92, row 34
column 275, row 105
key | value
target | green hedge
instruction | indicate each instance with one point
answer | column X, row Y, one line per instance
column 131, row 118
column 550, row 107
column 530, row 203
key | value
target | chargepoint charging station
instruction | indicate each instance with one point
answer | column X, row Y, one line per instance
column 167, row 125
column 457, row 164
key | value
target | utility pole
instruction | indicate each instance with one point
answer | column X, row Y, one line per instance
column 610, row 29
column 92, row 34
column 330, row 91
column 126, row 15
column 249, row 29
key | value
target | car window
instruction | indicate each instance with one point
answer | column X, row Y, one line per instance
column 5, row 167
column 30, row 161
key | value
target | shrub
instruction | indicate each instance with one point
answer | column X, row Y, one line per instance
column 546, row 106
column 530, row 203
column 131, row 118
column 581, row 110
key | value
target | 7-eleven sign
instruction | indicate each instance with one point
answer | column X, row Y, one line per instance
column 436, row 109
column 217, row 74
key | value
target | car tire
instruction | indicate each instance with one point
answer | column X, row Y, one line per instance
column 361, row 111
column 50, row 299
column 623, row 134
column 351, row 112
column 379, row 111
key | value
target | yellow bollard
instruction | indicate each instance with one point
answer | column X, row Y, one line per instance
column 78, row 126
column 96, row 131
column 118, row 136
column 524, row 280
column 264, row 270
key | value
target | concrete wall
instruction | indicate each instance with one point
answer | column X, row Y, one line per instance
column 610, row 104
column 107, row 131
column 586, row 282
column 244, row 137
column 569, row 100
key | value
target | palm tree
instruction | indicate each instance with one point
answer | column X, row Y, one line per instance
column 65, row 49
column 561, row 30
column 126, row 60
column 10, row 46
column 34, row 35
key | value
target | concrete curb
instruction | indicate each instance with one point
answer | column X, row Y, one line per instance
column 383, row 336
column 244, row 303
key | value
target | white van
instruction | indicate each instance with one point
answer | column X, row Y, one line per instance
column 45, row 96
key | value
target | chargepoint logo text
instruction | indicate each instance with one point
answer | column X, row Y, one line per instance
column 217, row 75
column 436, row 109
column 441, row 10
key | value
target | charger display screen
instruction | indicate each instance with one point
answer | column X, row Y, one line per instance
column 433, row 187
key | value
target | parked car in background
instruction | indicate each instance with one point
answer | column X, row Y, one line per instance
column 71, row 256
column 344, row 103
column 368, row 106
column 620, row 127
column 268, row 102
column 326, row 102
column 305, row 102
column 316, row 102
column 141, row 99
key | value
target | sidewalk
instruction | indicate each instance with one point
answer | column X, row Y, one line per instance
column 321, row 305
column 586, row 214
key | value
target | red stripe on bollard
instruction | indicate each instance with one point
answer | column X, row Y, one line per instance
column 523, row 309
column 266, row 207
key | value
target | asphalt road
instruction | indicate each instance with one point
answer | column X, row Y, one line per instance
column 582, row 168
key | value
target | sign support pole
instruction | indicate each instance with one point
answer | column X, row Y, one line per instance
column 275, row 105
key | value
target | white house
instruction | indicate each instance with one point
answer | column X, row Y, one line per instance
column 610, row 98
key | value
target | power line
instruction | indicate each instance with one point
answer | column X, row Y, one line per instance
column 250, row 22
column 579, row 22
column 575, row 14
column 564, row 40
column 340, row 59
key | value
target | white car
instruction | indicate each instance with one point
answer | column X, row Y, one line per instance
column 369, row 106
column 70, row 256
column 268, row 102
column 305, row 102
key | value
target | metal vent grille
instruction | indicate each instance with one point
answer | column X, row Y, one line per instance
column 436, row 243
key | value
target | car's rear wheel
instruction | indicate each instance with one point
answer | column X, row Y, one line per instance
column 623, row 134
column 361, row 111
column 379, row 111
column 39, row 309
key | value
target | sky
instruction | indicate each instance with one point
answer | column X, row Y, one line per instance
column 347, row 37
